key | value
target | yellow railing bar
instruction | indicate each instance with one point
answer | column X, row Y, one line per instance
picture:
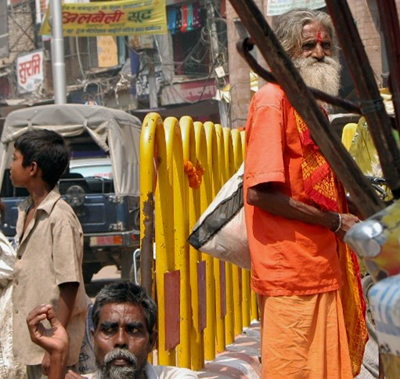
column 214, row 136
column 206, row 197
column 164, row 238
column 180, row 223
column 230, row 317
column 236, row 271
column 189, row 154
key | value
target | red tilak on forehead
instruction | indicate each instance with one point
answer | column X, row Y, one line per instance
column 319, row 37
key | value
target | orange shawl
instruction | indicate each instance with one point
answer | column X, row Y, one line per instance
column 327, row 193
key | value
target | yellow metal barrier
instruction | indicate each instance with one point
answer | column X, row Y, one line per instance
column 203, row 302
column 215, row 148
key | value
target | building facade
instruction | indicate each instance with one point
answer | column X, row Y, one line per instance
column 193, row 69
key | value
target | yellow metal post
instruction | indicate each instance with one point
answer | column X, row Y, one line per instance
column 189, row 154
column 247, row 293
column 180, row 222
column 147, row 184
column 147, row 173
column 236, row 271
column 230, row 317
column 216, row 139
column 205, row 199
column 164, row 237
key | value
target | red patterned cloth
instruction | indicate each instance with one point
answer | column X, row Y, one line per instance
column 327, row 193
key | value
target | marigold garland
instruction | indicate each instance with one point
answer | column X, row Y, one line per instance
column 195, row 173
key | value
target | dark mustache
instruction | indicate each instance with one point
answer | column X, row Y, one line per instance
column 120, row 354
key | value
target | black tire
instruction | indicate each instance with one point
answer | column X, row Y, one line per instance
column 89, row 269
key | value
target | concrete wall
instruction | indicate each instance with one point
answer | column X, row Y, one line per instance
column 21, row 38
column 369, row 34
column 239, row 75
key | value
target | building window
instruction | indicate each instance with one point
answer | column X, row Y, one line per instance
column 190, row 42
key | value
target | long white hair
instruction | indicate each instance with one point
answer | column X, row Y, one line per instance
column 290, row 28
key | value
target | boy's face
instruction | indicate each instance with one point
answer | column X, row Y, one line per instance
column 19, row 174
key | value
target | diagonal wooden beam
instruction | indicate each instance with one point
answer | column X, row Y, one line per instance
column 389, row 23
column 379, row 123
column 362, row 193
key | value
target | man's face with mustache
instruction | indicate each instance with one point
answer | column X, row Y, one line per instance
column 122, row 341
column 315, row 61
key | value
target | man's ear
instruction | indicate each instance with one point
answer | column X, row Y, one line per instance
column 33, row 169
column 153, row 340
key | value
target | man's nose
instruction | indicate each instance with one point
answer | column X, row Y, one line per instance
column 318, row 52
column 120, row 339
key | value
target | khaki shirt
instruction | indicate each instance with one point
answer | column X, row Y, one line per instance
column 48, row 254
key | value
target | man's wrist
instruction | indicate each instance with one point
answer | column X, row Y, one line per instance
column 339, row 224
column 58, row 365
column 334, row 221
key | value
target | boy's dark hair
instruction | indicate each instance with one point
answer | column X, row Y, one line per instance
column 129, row 293
column 48, row 149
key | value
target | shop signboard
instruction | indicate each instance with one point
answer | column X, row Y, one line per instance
column 30, row 72
column 277, row 7
column 115, row 18
column 189, row 92
column 107, row 51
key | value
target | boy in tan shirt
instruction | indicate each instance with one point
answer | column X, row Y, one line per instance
column 49, row 245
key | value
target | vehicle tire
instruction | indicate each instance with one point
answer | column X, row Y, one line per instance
column 89, row 269
column 126, row 264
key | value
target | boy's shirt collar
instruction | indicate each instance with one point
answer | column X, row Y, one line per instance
column 46, row 205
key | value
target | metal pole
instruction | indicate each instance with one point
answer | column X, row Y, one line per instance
column 57, row 53
column 153, row 96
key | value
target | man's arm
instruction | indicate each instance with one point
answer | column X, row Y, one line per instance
column 55, row 340
column 66, row 303
column 267, row 197
column 68, row 292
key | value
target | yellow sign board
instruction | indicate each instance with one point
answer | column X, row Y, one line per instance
column 107, row 51
column 116, row 18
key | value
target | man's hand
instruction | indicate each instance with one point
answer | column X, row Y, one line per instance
column 348, row 220
column 53, row 340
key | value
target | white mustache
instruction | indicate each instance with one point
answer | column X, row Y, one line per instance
column 120, row 354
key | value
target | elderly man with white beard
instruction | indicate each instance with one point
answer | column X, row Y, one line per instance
column 296, row 214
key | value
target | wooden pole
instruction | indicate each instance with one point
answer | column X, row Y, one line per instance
column 389, row 23
column 379, row 123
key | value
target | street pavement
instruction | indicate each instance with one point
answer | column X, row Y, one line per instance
column 239, row 360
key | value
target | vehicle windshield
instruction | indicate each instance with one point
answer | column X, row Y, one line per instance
column 90, row 175
column 95, row 171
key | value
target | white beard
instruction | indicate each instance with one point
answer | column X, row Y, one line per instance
column 323, row 75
